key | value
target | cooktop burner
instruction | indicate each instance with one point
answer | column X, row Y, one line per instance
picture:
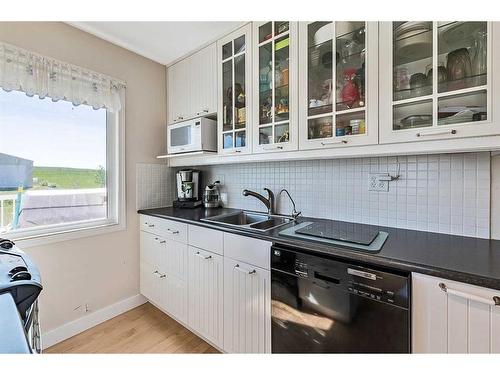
column 341, row 231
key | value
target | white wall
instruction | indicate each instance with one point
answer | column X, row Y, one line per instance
column 101, row 270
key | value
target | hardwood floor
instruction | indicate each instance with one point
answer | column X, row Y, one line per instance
column 144, row 329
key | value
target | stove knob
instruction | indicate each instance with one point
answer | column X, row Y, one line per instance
column 21, row 275
column 17, row 269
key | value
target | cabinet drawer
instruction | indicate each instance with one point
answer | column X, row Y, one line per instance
column 207, row 239
column 248, row 250
column 169, row 229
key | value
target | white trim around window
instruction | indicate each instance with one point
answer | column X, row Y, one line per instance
column 116, row 193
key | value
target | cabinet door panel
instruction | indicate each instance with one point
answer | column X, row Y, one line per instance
column 479, row 327
column 205, row 291
column 457, row 316
column 246, row 308
column 177, row 298
column 176, row 259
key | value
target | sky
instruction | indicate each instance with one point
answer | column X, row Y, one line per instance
column 52, row 134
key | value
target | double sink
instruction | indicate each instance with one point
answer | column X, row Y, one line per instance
column 249, row 220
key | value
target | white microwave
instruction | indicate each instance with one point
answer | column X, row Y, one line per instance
column 199, row 134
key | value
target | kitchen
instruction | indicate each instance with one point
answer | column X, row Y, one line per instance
column 263, row 187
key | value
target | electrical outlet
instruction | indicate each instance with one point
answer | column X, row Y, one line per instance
column 376, row 184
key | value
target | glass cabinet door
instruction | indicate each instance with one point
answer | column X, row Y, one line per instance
column 275, row 66
column 234, row 105
column 440, row 78
column 334, row 71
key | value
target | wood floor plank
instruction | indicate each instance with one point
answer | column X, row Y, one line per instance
column 144, row 329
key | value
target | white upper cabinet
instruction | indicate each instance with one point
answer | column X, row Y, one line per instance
column 275, row 89
column 338, row 80
column 234, row 115
column 437, row 80
column 192, row 86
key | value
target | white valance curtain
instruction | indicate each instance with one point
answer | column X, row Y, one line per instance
column 35, row 74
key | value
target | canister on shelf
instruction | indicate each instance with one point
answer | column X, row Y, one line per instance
column 357, row 126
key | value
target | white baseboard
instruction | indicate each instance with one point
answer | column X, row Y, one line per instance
column 91, row 320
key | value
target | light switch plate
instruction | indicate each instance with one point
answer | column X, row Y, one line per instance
column 376, row 184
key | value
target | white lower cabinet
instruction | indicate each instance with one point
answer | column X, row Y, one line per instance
column 205, row 291
column 163, row 270
column 247, row 305
column 453, row 317
column 217, row 284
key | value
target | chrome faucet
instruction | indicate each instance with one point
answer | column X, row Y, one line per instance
column 295, row 214
column 269, row 201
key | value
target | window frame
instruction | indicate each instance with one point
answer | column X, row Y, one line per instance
column 116, row 195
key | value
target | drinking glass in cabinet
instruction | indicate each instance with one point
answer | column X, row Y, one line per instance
column 463, row 51
column 227, row 140
column 227, row 100
column 350, row 65
column 265, row 135
column 240, row 139
column 412, row 115
column 239, row 92
column 456, row 109
column 281, row 133
column 265, row 83
column 320, row 127
column 320, row 68
column 412, row 59
column 281, row 78
column 352, row 123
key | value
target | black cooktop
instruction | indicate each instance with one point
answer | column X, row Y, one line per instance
column 341, row 231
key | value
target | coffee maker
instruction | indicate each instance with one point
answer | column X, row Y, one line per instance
column 188, row 189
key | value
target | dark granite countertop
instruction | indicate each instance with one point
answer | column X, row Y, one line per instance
column 465, row 259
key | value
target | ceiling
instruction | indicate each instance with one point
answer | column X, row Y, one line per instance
column 163, row 42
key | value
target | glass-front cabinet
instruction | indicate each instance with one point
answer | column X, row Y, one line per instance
column 275, row 86
column 338, row 63
column 436, row 80
column 235, row 99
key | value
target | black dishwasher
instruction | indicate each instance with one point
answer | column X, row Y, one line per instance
column 322, row 305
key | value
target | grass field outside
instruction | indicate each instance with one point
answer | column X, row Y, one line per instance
column 68, row 178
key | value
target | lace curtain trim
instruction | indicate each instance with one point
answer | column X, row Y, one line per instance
column 36, row 74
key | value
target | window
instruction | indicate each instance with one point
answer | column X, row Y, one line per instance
column 59, row 166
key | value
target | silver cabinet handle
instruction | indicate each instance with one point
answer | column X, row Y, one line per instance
column 203, row 256
column 273, row 148
column 159, row 275
column 159, row 240
column 238, row 268
column 436, row 132
column 495, row 301
column 171, row 231
column 338, row 142
column 150, row 225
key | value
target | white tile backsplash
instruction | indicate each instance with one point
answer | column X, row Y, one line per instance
column 436, row 193
column 154, row 185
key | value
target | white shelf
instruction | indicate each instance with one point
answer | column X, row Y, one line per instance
column 187, row 155
column 470, row 144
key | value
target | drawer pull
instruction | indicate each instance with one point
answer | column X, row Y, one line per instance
column 495, row 301
column 338, row 142
column 161, row 276
column 203, row 256
column 171, row 231
column 160, row 241
column 150, row 225
column 238, row 268
column 437, row 132
column 272, row 148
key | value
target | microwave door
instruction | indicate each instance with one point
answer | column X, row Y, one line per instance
column 182, row 138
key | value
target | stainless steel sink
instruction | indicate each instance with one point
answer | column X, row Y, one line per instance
column 257, row 221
